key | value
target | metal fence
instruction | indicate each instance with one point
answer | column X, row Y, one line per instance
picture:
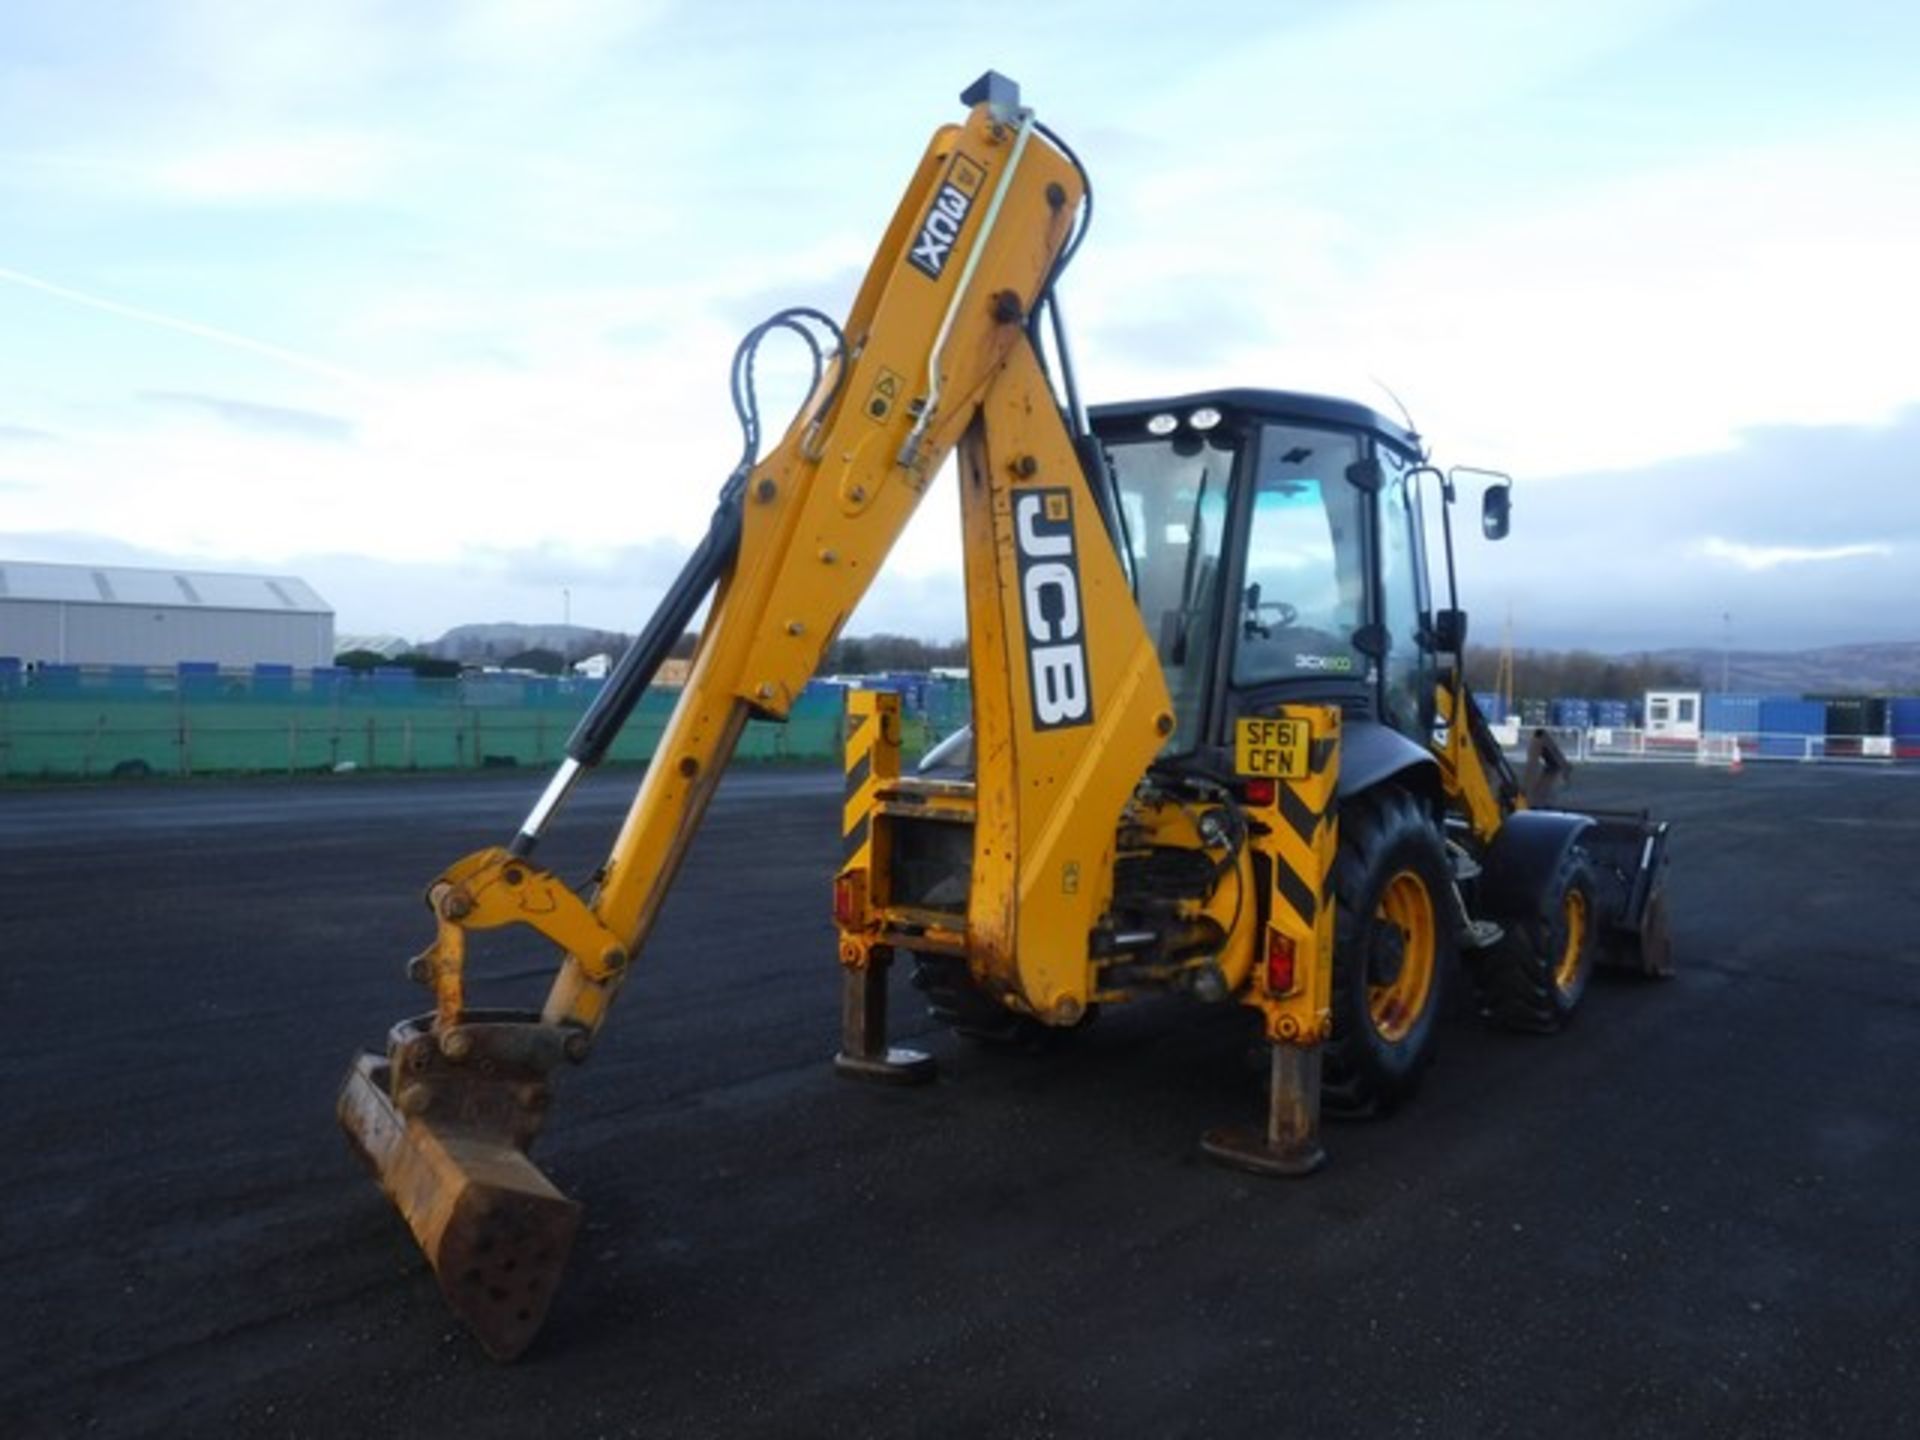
column 1726, row 749
column 113, row 723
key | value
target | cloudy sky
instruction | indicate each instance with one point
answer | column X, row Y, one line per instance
column 433, row 303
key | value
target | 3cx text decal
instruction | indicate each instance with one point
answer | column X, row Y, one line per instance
column 940, row 230
column 1050, row 610
column 1338, row 664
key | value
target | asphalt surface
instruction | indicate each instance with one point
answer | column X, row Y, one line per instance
column 1695, row 1212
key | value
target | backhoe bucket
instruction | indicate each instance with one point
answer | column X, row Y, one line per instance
column 444, row 1119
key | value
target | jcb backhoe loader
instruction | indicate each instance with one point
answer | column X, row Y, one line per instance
column 1220, row 741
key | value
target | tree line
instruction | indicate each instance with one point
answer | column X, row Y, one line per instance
column 1547, row 674
column 848, row 655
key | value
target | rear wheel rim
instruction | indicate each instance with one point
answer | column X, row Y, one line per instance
column 1396, row 1006
column 1571, row 965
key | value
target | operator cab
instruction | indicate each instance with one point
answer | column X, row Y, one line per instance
column 1276, row 549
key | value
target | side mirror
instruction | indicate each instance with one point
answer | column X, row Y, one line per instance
column 1496, row 510
column 1447, row 633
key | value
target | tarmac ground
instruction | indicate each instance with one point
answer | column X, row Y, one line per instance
column 1695, row 1212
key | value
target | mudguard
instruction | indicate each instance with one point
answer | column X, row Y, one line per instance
column 1371, row 752
column 1523, row 860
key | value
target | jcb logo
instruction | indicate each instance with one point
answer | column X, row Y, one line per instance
column 1050, row 609
column 941, row 229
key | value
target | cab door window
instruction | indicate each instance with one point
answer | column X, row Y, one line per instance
column 1173, row 502
column 1304, row 592
column 1408, row 668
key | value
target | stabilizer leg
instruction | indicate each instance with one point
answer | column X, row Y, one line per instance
column 864, row 1052
column 1291, row 1143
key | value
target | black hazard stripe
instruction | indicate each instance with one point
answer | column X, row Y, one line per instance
column 1304, row 819
column 1295, row 892
column 858, row 772
column 857, row 837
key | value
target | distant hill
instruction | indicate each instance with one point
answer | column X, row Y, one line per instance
column 491, row 644
column 1883, row 669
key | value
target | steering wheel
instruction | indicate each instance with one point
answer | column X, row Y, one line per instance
column 1253, row 626
column 1283, row 613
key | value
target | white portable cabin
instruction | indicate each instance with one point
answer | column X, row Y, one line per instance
column 1673, row 714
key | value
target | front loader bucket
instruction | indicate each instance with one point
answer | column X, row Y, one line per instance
column 1628, row 851
column 444, row 1120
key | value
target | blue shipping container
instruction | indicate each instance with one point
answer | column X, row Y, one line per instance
column 273, row 679
column 1903, row 719
column 1734, row 714
column 56, row 677
column 1785, row 726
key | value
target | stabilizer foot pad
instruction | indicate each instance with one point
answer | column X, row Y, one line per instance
column 1253, row 1151
column 897, row 1067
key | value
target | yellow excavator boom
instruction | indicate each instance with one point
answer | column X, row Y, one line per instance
column 937, row 354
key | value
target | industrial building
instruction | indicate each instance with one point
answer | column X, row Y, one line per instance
column 118, row 615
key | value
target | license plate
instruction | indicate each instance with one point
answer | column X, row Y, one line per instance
column 1270, row 748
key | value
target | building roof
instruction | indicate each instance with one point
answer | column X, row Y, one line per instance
column 387, row 645
column 188, row 589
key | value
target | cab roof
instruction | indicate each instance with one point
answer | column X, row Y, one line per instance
column 1280, row 405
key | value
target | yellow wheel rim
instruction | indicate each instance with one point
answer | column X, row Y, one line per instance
column 1566, row 974
column 1396, row 1006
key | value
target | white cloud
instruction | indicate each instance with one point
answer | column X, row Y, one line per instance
column 1611, row 324
column 290, row 166
column 1771, row 557
column 562, row 215
column 517, row 33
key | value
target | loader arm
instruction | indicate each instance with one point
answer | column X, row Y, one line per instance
column 1070, row 706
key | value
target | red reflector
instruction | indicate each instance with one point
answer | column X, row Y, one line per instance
column 1279, row 963
column 845, row 901
column 1258, row 792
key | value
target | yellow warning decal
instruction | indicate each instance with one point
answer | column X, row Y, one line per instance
column 966, row 176
column 884, row 395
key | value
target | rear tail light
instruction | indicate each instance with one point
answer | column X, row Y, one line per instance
column 1258, row 792
column 846, row 900
column 1279, row 963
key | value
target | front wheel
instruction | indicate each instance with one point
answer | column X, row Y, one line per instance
column 1534, row 978
column 1393, row 948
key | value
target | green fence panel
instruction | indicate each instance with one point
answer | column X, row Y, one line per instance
column 76, row 723
column 90, row 735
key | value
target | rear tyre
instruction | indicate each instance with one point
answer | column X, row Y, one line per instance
column 958, row 1003
column 1534, row 978
column 1393, row 947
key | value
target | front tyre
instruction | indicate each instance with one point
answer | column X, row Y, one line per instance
column 1393, row 948
column 1535, row 977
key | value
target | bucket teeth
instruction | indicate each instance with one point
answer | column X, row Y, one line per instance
column 494, row 1229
